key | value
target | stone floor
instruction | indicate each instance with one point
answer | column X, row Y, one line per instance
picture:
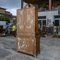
column 50, row 49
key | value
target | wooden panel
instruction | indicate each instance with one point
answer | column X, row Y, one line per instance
column 28, row 39
column 27, row 20
column 26, row 45
column 30, row 21
column 20, row 21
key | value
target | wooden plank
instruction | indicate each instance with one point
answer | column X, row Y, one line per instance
column 28, row 39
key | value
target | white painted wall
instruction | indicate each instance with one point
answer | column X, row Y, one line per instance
column 49, row 15
column 3, row 23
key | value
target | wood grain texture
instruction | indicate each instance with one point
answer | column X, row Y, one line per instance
column 28, row 38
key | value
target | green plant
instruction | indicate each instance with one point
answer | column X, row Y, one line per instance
column 4, row 18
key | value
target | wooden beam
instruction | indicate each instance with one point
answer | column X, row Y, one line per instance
column 21, row 3
column 50, row 4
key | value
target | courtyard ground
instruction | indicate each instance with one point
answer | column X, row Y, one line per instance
column 50, row 49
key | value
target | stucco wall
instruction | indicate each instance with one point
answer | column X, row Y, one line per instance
column 2, row 11
column 49, row 15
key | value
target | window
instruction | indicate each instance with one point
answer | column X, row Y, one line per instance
column 39, row 22
column 42, row 17
column 44, row 22
column 57, row 19
column 56, row 23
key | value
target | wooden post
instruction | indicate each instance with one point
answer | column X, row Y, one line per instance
column 21, row 4
column 50, row 4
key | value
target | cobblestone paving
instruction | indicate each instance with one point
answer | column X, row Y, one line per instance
column 50, row 49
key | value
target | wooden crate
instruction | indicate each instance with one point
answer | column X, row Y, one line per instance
column 28, row 38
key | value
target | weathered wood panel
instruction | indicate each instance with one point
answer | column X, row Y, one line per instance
column 28, row 39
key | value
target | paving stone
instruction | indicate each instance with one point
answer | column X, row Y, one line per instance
column 4, row 53
column 21, row 57
column 50, row 49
